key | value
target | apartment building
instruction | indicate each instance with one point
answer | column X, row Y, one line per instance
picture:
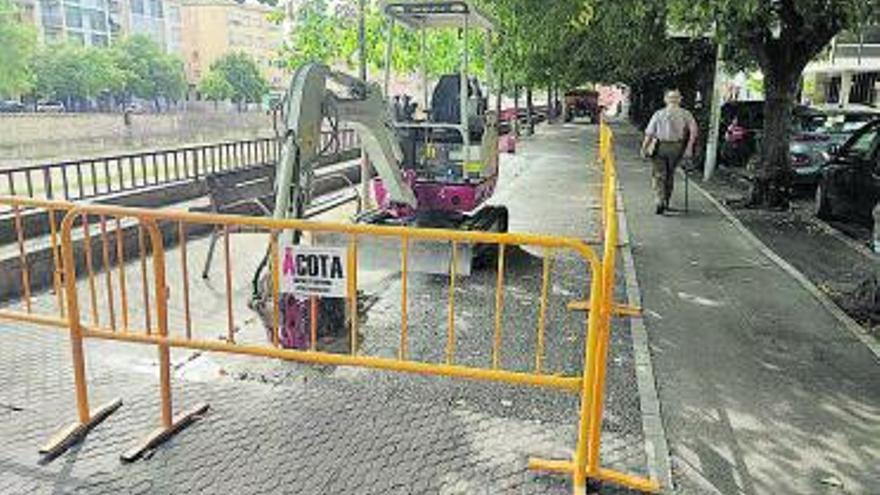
column 100, row 22
column 212, row 28
column 849, row 71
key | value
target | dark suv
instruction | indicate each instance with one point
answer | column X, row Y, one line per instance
column 849, row 186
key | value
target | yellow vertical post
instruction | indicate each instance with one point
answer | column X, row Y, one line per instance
column 450, row 323
column 542, row 311
column 187, row 317
column 608, row 274
column 584, row 437
column 120, row 266
column 93, row 293
column 108, row 272
column 404, row 315
column 73, row 319
column 276, row 283
column 56, row 259
column 144, row 280
column 352, row 291
column 499, row 308
column 25, row 270
column 161, row 321
column 227, row 258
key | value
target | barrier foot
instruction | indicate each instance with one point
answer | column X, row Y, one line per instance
column 554, row 466
column 594, row 481
column 74, row 433
column 161, row 434
column 621, row 310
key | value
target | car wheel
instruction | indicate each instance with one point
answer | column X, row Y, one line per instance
column 822, row 206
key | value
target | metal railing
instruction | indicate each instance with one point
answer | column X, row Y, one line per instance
column 87, row 178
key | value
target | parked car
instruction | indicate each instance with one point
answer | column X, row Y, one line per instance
column 740, row 120
column 11, row 106
column 832, row 126
column 849, row 184
column 581, row 103
column 742, row 124
column 50, row 106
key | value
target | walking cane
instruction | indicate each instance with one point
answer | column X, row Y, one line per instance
column 687, row 165
column 686, row 181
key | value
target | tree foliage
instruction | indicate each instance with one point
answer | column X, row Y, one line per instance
column 532, row 46
column 234, row 76
column 135, row 67
column 214, row 87
column 70, row 73
column 328, row 33
column 148, row 72
column 18, row 40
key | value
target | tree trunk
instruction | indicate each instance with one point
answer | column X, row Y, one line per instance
column 515, row 122
column 772, row 171
column 516, row 97
column 500, row 93
column 530, row 123
column 550, row 115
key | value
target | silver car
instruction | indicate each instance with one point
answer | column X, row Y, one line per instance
column 822, row 132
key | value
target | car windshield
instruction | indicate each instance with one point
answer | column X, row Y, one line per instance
column 863, row 145
column 842, row 123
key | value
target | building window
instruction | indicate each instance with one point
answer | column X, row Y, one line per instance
column 137, row 7
column 156, row 8
column 863, row 87
column 73, row 17
column 99, row 39
column 52, row 15
column 832, row 92
column 98, row 20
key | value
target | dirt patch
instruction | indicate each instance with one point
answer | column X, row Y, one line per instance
column 848, row 276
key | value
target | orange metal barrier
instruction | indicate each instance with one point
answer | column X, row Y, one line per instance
column 24, row 211
column 113, row 320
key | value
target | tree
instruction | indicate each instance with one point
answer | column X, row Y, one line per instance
column 147, row 72
column 73, row 73
column 242, row 81
column 170, row 78
column 781, row 36
column 18, row 40
column 214, row 87
column 325, row 33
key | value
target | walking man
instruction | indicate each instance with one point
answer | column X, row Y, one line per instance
column 669, row 137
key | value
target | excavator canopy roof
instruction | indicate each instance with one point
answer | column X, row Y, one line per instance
column 417, row 14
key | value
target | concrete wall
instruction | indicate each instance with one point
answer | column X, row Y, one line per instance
column 30, row 137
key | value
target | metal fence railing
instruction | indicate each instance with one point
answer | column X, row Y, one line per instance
column 87, row 178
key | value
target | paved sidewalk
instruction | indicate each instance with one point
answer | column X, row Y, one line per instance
column 762, row 390
column 277, row 427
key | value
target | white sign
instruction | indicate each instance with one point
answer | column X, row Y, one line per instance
column 314, row 271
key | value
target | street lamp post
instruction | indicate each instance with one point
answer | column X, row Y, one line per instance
column 714, row 116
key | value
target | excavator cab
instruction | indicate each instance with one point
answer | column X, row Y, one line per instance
column 451, row 147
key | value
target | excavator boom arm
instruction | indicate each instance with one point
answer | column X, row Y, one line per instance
column 307, row 103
